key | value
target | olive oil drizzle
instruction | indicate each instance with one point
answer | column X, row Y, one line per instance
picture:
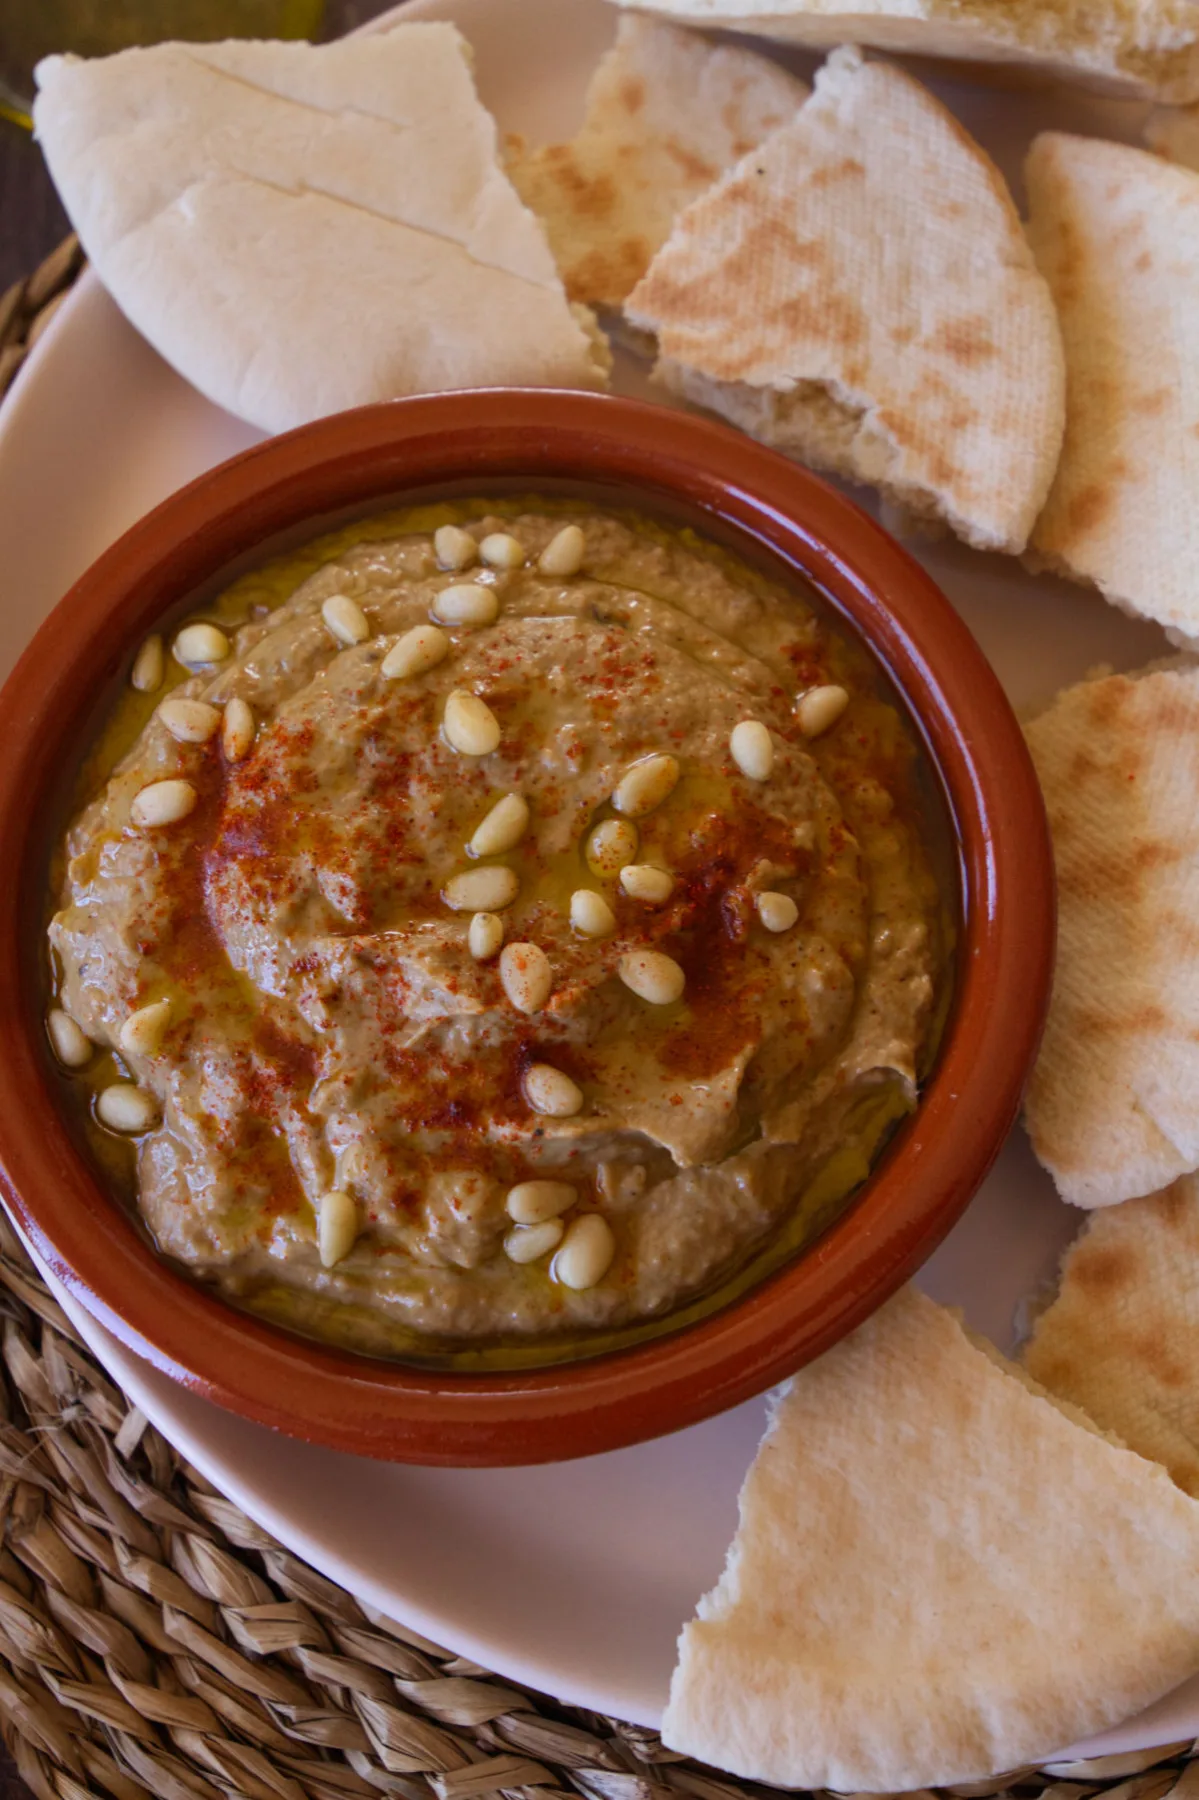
column 868, row 1125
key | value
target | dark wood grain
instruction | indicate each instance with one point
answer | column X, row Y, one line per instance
column 32, row 220
column 11, row 1785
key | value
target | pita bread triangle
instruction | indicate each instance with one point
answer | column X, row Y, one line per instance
column 667, row 112
column 301, row 229
column 858, row 291
column 938, row 1573
column 1113, row 1104
column 1121, row 1340
column 1173, row 131
column 1144, row 47
column 1116, row 233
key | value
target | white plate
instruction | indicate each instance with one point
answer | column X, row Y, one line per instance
column 573, row 1579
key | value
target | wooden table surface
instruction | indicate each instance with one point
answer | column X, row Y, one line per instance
column 32, row 222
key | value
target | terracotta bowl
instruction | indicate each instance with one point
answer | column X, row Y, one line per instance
column 652, row 457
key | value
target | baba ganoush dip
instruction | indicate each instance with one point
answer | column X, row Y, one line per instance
column 493, row 925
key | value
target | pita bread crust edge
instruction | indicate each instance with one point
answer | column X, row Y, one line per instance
column 935, row 373
column 1146, row 48
column 938, row 1574
column 1116, row 233
column 1173, row 131
column 667, row 112
column 1113, row 1103
column 299, row 229
column 1121, row 1338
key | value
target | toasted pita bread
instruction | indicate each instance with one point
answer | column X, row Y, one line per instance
column 1121, row 1340
column 1173, row 131
column 299, row 230
column 1144, row 47
column 933, row 371
column 938, row 1573
column 1116, row 232
column 1113, row 1105
column 667, row 113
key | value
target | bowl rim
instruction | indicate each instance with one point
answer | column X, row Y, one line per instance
column 358, row 1404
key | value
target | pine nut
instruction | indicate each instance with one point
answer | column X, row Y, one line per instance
column 652, row 976
column 527, row 1243
column 778, row 912
column 345, row 619
column 70, row 1045
column 466, row 604
column 503, row 827
column 564, row 553
column 641, row 881
column 489, row 889
column 591, row 914
column 162, row 803
column 189, row 721
column 611, row 847
column 199, row 644
column 238, row 730
column 501, row 551
column 453, row 547
column 123, row 1107
column 419, row 649
column 586, row 1253
column 149, row 666
column 526, row 976
column 532, row 1202
column 143, row 1031
column 753, row 749
column 646, row 785
column 551, row 1092
column 819, row 708
column 337, row 1227
column 469, row 724
column 485, row 934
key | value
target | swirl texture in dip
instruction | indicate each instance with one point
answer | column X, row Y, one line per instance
column 707, row 946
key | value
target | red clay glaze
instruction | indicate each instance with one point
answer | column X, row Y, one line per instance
column 639, row 455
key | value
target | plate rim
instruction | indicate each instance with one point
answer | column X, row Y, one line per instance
column 74, row 309
column 926, row 1177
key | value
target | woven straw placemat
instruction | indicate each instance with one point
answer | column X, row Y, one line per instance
column 28, row 306
column 155, row 1644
